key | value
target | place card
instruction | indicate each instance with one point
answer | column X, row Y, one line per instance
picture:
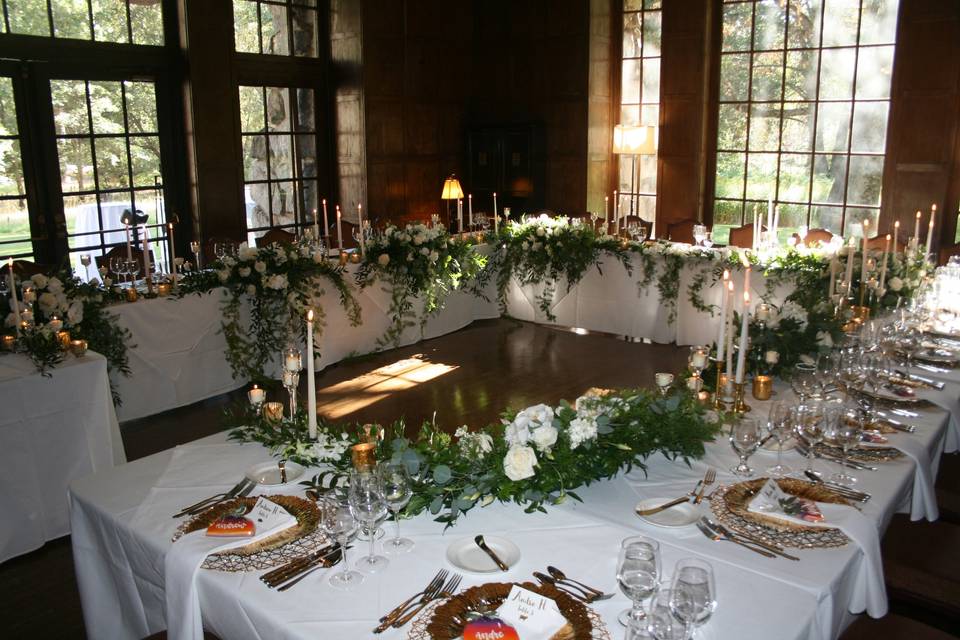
column 533, row 616
column 774, row 501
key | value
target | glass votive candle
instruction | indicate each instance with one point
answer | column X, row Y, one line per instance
column 78, row 348
column 63, row 339
column 762, row 387
column 55, row 323
column 273, row 412
column 663, row 380
column 131, row 294
column 695, row 384
column 9, row 342
column 342, row 258
column 762, row 312
column 256, row 396
column 355, row 258
column 163, row 289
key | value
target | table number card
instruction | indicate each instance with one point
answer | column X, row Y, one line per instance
column 534, row 616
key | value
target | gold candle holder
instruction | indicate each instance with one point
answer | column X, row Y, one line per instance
column 355, row 258
column 9, row 342
column 131, row 294
column 78, row 348
column 762, row 387
column 716, row 395
column 739, row 406
column 63, row 339
column 342, row 259
column 363, row 456
column 861, row 313
column 163, row 289
column 273, row 412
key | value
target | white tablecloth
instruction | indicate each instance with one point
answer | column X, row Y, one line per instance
column 52, row 431
column 120, row 542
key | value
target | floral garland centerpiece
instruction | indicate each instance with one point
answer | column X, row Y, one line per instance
column 534, row 457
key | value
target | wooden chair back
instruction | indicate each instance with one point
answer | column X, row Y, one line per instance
column 947, row 252
column 817, row 236
column 741, row 237
column 25, row 268
column 681, row 231
column 276, row 236
column 347, row 230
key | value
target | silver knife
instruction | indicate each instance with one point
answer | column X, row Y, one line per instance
column 493, row 556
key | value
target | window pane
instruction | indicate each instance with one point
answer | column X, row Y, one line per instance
column 306, row 156
column 647, row 174
column 840, row 22
column 829, row 178
column 106, row 107
column 730, row 172
column 737, row 25
column 771, row 19
column 141, row 107
column 836, row 74
column 304, row 32
column 112, row 163
column 8, row 110
column 853, row 224
column 15, row 229
column 252, row 118
column 281, row 157
column 283, row 195
column 869, row 127
column 69, row 106
column 274, row 32
column 11, row 169
column 804, row 32
column 651, row 34
column 630, row 81
column 879, row 22
column 278, row 101
column 828, row 218
column 801, row 75
column 866, row 173
column 874, row 69
column 254, row 157
column 833, row 126
column 145, row 154
column 734, row 76
column 70, row 19
column 76, row 164
column 246, row 34
column 651, row 80
column 765, row 127
column 110, row 20
column 767, row 76
column 632, row 34
column 797, row 126
column 791, row 217
column 794, row 177
column 29, row 17
column 761, row 175
column 305, row 110
column 146, row 20
column 732, row 127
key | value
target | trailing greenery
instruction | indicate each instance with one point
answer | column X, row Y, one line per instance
column 420, row 263
column 536, row 457
column 277, row 284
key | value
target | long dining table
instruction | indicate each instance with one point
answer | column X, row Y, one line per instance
column 122, row 531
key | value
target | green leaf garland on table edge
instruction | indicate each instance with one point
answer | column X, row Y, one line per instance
column 279, row 283
column 537, row 456
column 420, row 261
column 83, row 310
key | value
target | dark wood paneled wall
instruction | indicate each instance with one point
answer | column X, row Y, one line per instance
column 923, row 150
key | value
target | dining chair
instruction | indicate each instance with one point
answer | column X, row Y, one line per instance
column 681, row 231
column 276, row 236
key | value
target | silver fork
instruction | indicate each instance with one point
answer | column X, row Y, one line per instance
column 435, row 583
column 448, row 590
column 713, row 535
column 210, row 501
column 708, row 479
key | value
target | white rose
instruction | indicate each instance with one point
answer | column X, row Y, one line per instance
column 895, row 283
column 244, row 271
column 424, row 251
column 519, row 462
column 55, row 286
column 47, row 301
column 40, row 280
column 434, row 256
column 251, row 290
column 824, row 339
column 277, row 282
column 771, row 357
column 75, row 312
column 418, row 239
column 228, row 261
column 383, row 259
column 541, row 232
column 518, row 431
column 541, row 414
column 545, row 438
column 260, row 266
column 223, row 274
column 246, row 252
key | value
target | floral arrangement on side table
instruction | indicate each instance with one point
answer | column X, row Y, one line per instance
column 535, row 457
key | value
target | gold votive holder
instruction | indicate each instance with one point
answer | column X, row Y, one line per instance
column 163, row 289
column 739, row 405
column 131, row 294
column 342, row 258
column 63, row 339
column 861, row 314
column 762, row 387
column 273, row 412
column 78, row 348
column 9, row 342
column 355, row 258
column 364, row 456
column 704, row 397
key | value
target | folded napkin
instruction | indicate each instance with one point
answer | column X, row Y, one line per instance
column 869, row 591
column 182, row 562
column 533, row 616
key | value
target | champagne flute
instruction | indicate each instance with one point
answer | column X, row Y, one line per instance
column 369, row 506
column 339, row 524
column 638, row 574
column 745, row 438
column 195, row 248
column 844, row 426
column 397, row 490
column 693, row 597
column 778, row 424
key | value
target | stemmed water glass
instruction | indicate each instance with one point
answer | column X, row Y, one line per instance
column 117, row 265
column 778, row 424
column 133, row 268
column 844, row 425
column 807, row 421
column 693, row 593
column 397, row 490
column 638, row 574
column 292, row 362
column 662, row 624
column 745, row 438
column 369, row 507
column 804, row 380
column 85, row 261
column 699, row 233
column 339, row 524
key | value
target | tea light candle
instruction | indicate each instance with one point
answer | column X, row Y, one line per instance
column 698, row 358
column 163, row 289
column 291, row 361
column 9, row 342
column 256, row 396
column 78, row 347
column 55, row 323
column 663, row 379
column 695, row 384
column 63, row 338
column 131, row 293
column 763, row 312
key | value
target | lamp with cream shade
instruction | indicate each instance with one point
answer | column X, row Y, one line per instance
column 451, row 191
column 634, row 140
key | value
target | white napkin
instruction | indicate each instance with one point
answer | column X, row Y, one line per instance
column 182, row 562
column 869, row 591
column 535, row 617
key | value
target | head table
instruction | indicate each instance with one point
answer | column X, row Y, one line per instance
column 53, row 430
column 122, row 532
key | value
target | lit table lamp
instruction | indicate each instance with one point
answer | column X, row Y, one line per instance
column 451, row 191
column 634, row 140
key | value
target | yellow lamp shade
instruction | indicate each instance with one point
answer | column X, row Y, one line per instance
column 451, row 189
column 634, row 140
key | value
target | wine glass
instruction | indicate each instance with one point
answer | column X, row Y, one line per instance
column 807, row 422
column 778, row 424
column 638, row 574
column 195, row 248
column 844, row 425
column 397, row 490
column 132, row 267
column 662, row 624
column 663, row 381
column 116, row 265
column 708, row 239
column 641, row 236
column 745, row 438
column 221, row 250
column 369, row 507
column 339, row 524
column 693, row 597
column 698, row 359
column 804, row 380
column 699, row 233
column 85, row 261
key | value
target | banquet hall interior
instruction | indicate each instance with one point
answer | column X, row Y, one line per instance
column 443, row 318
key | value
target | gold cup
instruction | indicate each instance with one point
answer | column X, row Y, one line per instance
column 163, row 289
column 860, row 314
column 762, row 387
column 131, row 293
column 9, row 342
column 364, row 455
column 273, row 412
column 355, row 258
column 78, row 347
column 63, row 338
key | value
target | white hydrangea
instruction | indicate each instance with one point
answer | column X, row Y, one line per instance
column 792, row 310
column 581, row 430
column 475, row 445
column 277, row 281
column 246, row 252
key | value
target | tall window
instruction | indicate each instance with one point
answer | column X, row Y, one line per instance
column 278, row 125
column 126, row 21
column 640, row 102
column 804, row 97
column 276, row 27
column 14, row 211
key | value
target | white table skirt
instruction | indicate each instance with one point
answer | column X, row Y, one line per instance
column 52, row 431
column 120, row 558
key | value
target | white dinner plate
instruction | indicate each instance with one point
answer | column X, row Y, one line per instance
column 681, row 515
column 464, row 554
column 268, row 474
